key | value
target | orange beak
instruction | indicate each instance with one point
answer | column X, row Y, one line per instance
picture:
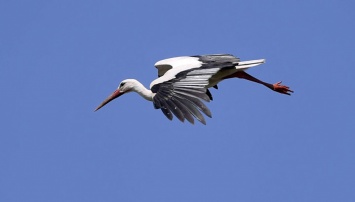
column 113, row 96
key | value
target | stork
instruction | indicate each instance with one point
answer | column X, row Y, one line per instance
column 184, row 82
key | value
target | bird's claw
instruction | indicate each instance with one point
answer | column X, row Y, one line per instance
column 281, row 88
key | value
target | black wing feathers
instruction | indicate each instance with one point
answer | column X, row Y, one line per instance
column 182, row 95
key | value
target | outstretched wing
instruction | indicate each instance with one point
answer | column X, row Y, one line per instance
column 183, row 87
column 177, row 62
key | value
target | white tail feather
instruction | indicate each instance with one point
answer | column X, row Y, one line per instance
column 247, row 64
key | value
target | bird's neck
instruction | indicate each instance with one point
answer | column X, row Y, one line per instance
column 143, row 91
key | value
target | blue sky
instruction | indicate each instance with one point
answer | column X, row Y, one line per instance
column 60, row 59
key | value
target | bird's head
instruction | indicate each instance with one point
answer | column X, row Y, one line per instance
column 125, row 86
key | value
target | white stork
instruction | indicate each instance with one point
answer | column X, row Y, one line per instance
column 184, row 81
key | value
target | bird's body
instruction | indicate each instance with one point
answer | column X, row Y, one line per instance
column 184, row 81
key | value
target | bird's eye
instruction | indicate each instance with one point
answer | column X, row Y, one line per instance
column 122, row 84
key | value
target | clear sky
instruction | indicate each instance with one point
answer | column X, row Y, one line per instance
column 60, row 59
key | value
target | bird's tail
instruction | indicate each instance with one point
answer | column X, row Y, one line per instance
column 244, row 65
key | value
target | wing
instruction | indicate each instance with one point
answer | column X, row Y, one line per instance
column 182, row 96
column 178, row 64
column 182, row 88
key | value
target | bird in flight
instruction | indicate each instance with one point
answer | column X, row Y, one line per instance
column 184, row 82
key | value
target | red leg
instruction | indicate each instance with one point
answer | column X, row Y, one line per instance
column 275, row 87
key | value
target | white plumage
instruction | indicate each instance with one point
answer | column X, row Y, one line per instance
column 184, row 81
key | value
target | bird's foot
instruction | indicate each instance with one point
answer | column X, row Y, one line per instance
column 282, row 89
